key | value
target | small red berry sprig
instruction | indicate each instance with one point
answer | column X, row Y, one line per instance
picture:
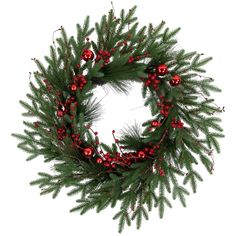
column 78, row 82
column 177, row 123
column 165, row 106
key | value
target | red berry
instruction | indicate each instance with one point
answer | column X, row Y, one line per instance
column 99, row 160
column 152, row 76
column 131, row 59
column 113, row 165
column 106, row 164
column 155, row 123
column 60, row 113
column 141, row 154
column 88, row 152
column 161, row 172
column 73, row 87
column 36, row 124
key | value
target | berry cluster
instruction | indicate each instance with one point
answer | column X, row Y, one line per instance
column 155, row 123
column 177, row 123
column 64, row 108
column 165, row 106
column 61, row 133
column 111, row 160
column 155, row 75
column 152, row 81
column 104, row 55
column 76, row 139
column 79, row 81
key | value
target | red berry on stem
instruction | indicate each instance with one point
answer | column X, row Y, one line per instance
column 155, row 123
column 99, row 160
column 161, row 172
column 36, row 124
column 60, row 113
column 73, row 87
column 180, row 124
column 113, row 165
column 152, row 76
column 88, row 152
column 131, row 59
column 141, row 154
column 106, row 164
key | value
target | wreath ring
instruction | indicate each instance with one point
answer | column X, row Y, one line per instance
column 143, row 166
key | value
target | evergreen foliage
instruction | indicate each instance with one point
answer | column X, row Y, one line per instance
column 142, row 185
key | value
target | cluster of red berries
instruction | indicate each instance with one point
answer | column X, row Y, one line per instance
column 64, row 108
column 152, row 81
column 153, row 77
column 48, row 85
column 177, row 123
column 61, row 133
column 137, row 58
column 104, row 55
column 154, row 124
column 165, row 107
column 124, row 159
column 79, row 81
column 76, row 139
column 160, row 170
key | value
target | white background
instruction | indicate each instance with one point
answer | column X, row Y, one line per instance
column 26, row 31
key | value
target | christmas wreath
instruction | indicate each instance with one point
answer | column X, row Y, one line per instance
column 145, row 164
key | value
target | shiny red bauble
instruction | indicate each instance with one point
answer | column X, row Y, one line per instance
column 175, row 81
column 87, row 55
column 162, row 69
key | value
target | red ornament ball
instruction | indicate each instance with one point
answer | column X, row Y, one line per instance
column 99, row 160
column 141, row 154
column 87, row 55
column 88, row 152
column 175, row 81
column 162, row 69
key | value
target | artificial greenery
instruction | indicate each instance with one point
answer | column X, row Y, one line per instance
column 138, row 186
